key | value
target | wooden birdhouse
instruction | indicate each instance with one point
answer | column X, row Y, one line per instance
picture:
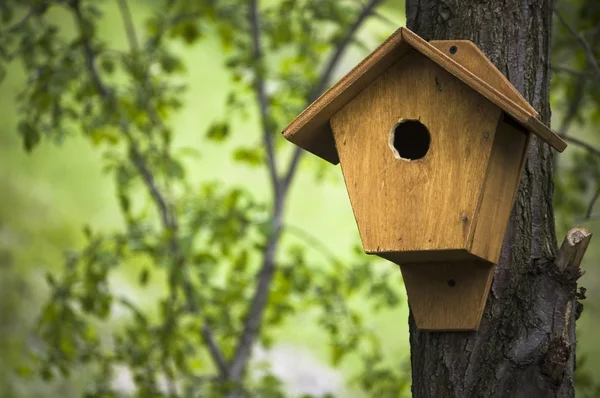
column 432, row 139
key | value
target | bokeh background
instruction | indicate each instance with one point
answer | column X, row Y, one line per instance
column 48, row 195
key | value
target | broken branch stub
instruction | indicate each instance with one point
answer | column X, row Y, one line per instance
column 573, row 248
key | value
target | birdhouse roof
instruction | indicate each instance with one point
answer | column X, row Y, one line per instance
column 311, row 130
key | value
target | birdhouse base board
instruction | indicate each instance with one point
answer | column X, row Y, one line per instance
column 427, row 256
column 448, row 296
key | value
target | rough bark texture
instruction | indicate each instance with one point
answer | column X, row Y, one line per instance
column 525, row 344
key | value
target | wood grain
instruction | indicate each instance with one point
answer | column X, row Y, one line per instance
column 447, row 296
column 427, row 204
column 466, row 53
column 498, row 195
column 308, row 128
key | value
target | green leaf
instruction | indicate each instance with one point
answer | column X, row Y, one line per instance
column 46, row 373
column 87, row 231
column 6, row 13
column 170, row 64
column 249, row 156
column 31, row 136
column 190, row 32
column 337, row 353
column 175, row 169
column 124, row 203
column 101, row 135
column 107, row 65
column 218, row 131
column 67, row 346
column 144, row 276
column 24, row 371
column 50, row 279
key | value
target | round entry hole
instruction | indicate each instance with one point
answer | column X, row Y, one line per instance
column 451, row 282
column 409, row 139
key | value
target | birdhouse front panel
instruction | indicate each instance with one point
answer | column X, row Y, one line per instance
column 414, row 148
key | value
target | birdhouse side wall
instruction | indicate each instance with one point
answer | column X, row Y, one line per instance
column 501, row 185
column 426, row 204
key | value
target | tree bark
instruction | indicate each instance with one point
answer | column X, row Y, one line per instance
column 525, row 346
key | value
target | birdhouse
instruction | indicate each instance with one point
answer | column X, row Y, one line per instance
column 431, row 139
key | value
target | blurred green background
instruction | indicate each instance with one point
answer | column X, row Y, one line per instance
column 47, row 196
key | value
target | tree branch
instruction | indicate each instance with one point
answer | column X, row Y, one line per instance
column 590, row 208
column 564, row 69
column 128, row 23
column 259, row 300
column 136, row 156
column 88, row 52
column 33, row 12
column 341, row 47
column 594, row 216
column 261, row 96
column 581, row 144
column 595, row 151
column 589, row 53
column 258, row 304
column 313, row 242
column 574, row 106
column 385, row 19
column 214, row 350
column 573, row 248
column 168, row 220
column 335, row 58
column 580, row 86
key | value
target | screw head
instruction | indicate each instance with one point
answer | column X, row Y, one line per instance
column 486, row 135
column 464, row 218
column 453, row 50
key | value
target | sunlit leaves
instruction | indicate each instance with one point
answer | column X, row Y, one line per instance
column 249, row 156
column 106, row 135
column 576, row 97
column 218, row 131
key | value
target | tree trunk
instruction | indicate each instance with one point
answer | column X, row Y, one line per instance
column 525, row 344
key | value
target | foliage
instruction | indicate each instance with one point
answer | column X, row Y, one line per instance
column 576, row 96
column 228, row 279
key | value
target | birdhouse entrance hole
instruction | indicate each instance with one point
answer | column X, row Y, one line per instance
column 409, row 139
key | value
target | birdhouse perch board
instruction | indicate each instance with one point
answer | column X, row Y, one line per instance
column 431, row 138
